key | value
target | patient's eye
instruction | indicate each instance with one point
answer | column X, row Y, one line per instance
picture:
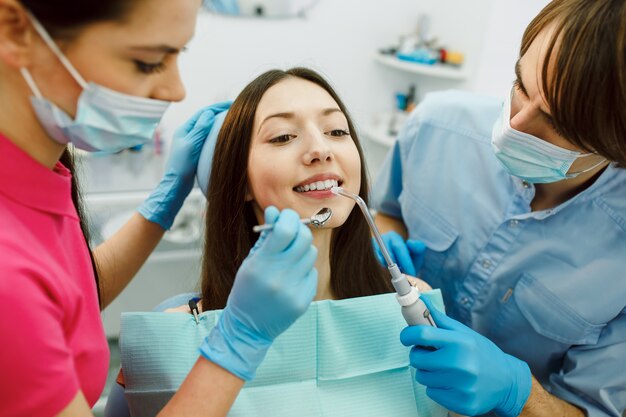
column 282, row 139
column 339, row 133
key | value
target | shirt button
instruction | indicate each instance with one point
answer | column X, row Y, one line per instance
column 525, row 184
column 464, row 301
column 513, row 223
column 486, row 263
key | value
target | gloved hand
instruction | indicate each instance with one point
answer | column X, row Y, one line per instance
column 467, row 374
column 163, row 204
column 409, row 255
column 273, row 287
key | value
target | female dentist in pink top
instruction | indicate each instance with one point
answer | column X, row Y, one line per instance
column 99, row 75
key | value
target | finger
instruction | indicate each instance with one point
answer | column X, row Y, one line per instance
column 207, row 149
column 430, row 360
column 387, row 239
column 304, row 292
column 222, row 106
column 417, row 248
column 284, row 232
column 191, row 122
column 434, row 378
column 378, row 253
column 441, row 320
column 422, row 335
column 402, row 255
column 208, row 125
column 306, row 262
column 271, row 214
column 301, row 244
column 441, row 396
column 310, row 284
column 195, row 119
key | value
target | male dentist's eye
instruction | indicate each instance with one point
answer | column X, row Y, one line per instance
column 339, row 133
column 148, row 68
column 282, row 139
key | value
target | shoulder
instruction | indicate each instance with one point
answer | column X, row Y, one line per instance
column 459, row 112
column 609, row 196
column 451, row 125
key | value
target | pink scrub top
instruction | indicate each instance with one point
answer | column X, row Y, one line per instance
column 53, row 342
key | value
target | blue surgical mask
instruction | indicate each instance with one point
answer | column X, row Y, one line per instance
column 529, row 157
column 106, row 120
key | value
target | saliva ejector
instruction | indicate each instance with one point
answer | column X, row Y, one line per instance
column 413, row 308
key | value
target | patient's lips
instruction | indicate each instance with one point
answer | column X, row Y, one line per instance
column 318, row 186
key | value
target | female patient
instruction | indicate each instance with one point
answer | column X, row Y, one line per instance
column 286, row 140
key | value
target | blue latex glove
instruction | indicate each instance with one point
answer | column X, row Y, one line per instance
column 409, row 255
column 273, row 287
column 467, row 373
column 163, row 204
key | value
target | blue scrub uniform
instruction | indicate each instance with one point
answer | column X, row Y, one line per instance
column 548, row 287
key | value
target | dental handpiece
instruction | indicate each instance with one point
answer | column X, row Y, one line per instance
column 413, row 308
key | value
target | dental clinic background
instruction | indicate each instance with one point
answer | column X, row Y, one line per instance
column 340, row 39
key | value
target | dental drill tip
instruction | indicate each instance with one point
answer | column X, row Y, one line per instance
column 336, row 190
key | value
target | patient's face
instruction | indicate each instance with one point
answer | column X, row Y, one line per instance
column 301, row 146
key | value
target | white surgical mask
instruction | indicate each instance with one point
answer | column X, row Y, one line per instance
column 106, row 120
column 531, row 158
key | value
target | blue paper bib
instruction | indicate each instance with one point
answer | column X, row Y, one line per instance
column 341, row 359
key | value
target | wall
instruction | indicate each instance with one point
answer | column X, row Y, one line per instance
column 337, row 37
column 500, row 49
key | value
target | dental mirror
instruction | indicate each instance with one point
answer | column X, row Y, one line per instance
column 319, row 219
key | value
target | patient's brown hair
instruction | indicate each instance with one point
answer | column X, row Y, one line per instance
column 354, row 269
column 584, row 75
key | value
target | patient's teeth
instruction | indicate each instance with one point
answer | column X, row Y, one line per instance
column 328, row 184
column 313, row 186
column 319, row 185
column 306, row 188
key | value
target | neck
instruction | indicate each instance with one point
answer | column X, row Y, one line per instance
column 321, row 240
column 19, row 123
column 550, row 195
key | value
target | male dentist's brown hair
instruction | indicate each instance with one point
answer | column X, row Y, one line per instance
column 584, row 74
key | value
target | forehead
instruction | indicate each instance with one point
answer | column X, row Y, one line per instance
column 532, row 62
column 294, row 95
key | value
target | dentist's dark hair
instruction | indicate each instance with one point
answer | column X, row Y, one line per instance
column 63, row 19
column 354, row 269
column 584, row 79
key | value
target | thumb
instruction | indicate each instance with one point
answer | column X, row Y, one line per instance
column 271, row 215
column 441, row 319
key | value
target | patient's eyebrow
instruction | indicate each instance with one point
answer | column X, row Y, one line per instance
column 331, row 110
column 292, row 115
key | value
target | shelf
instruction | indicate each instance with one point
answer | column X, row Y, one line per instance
column 435, row 71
